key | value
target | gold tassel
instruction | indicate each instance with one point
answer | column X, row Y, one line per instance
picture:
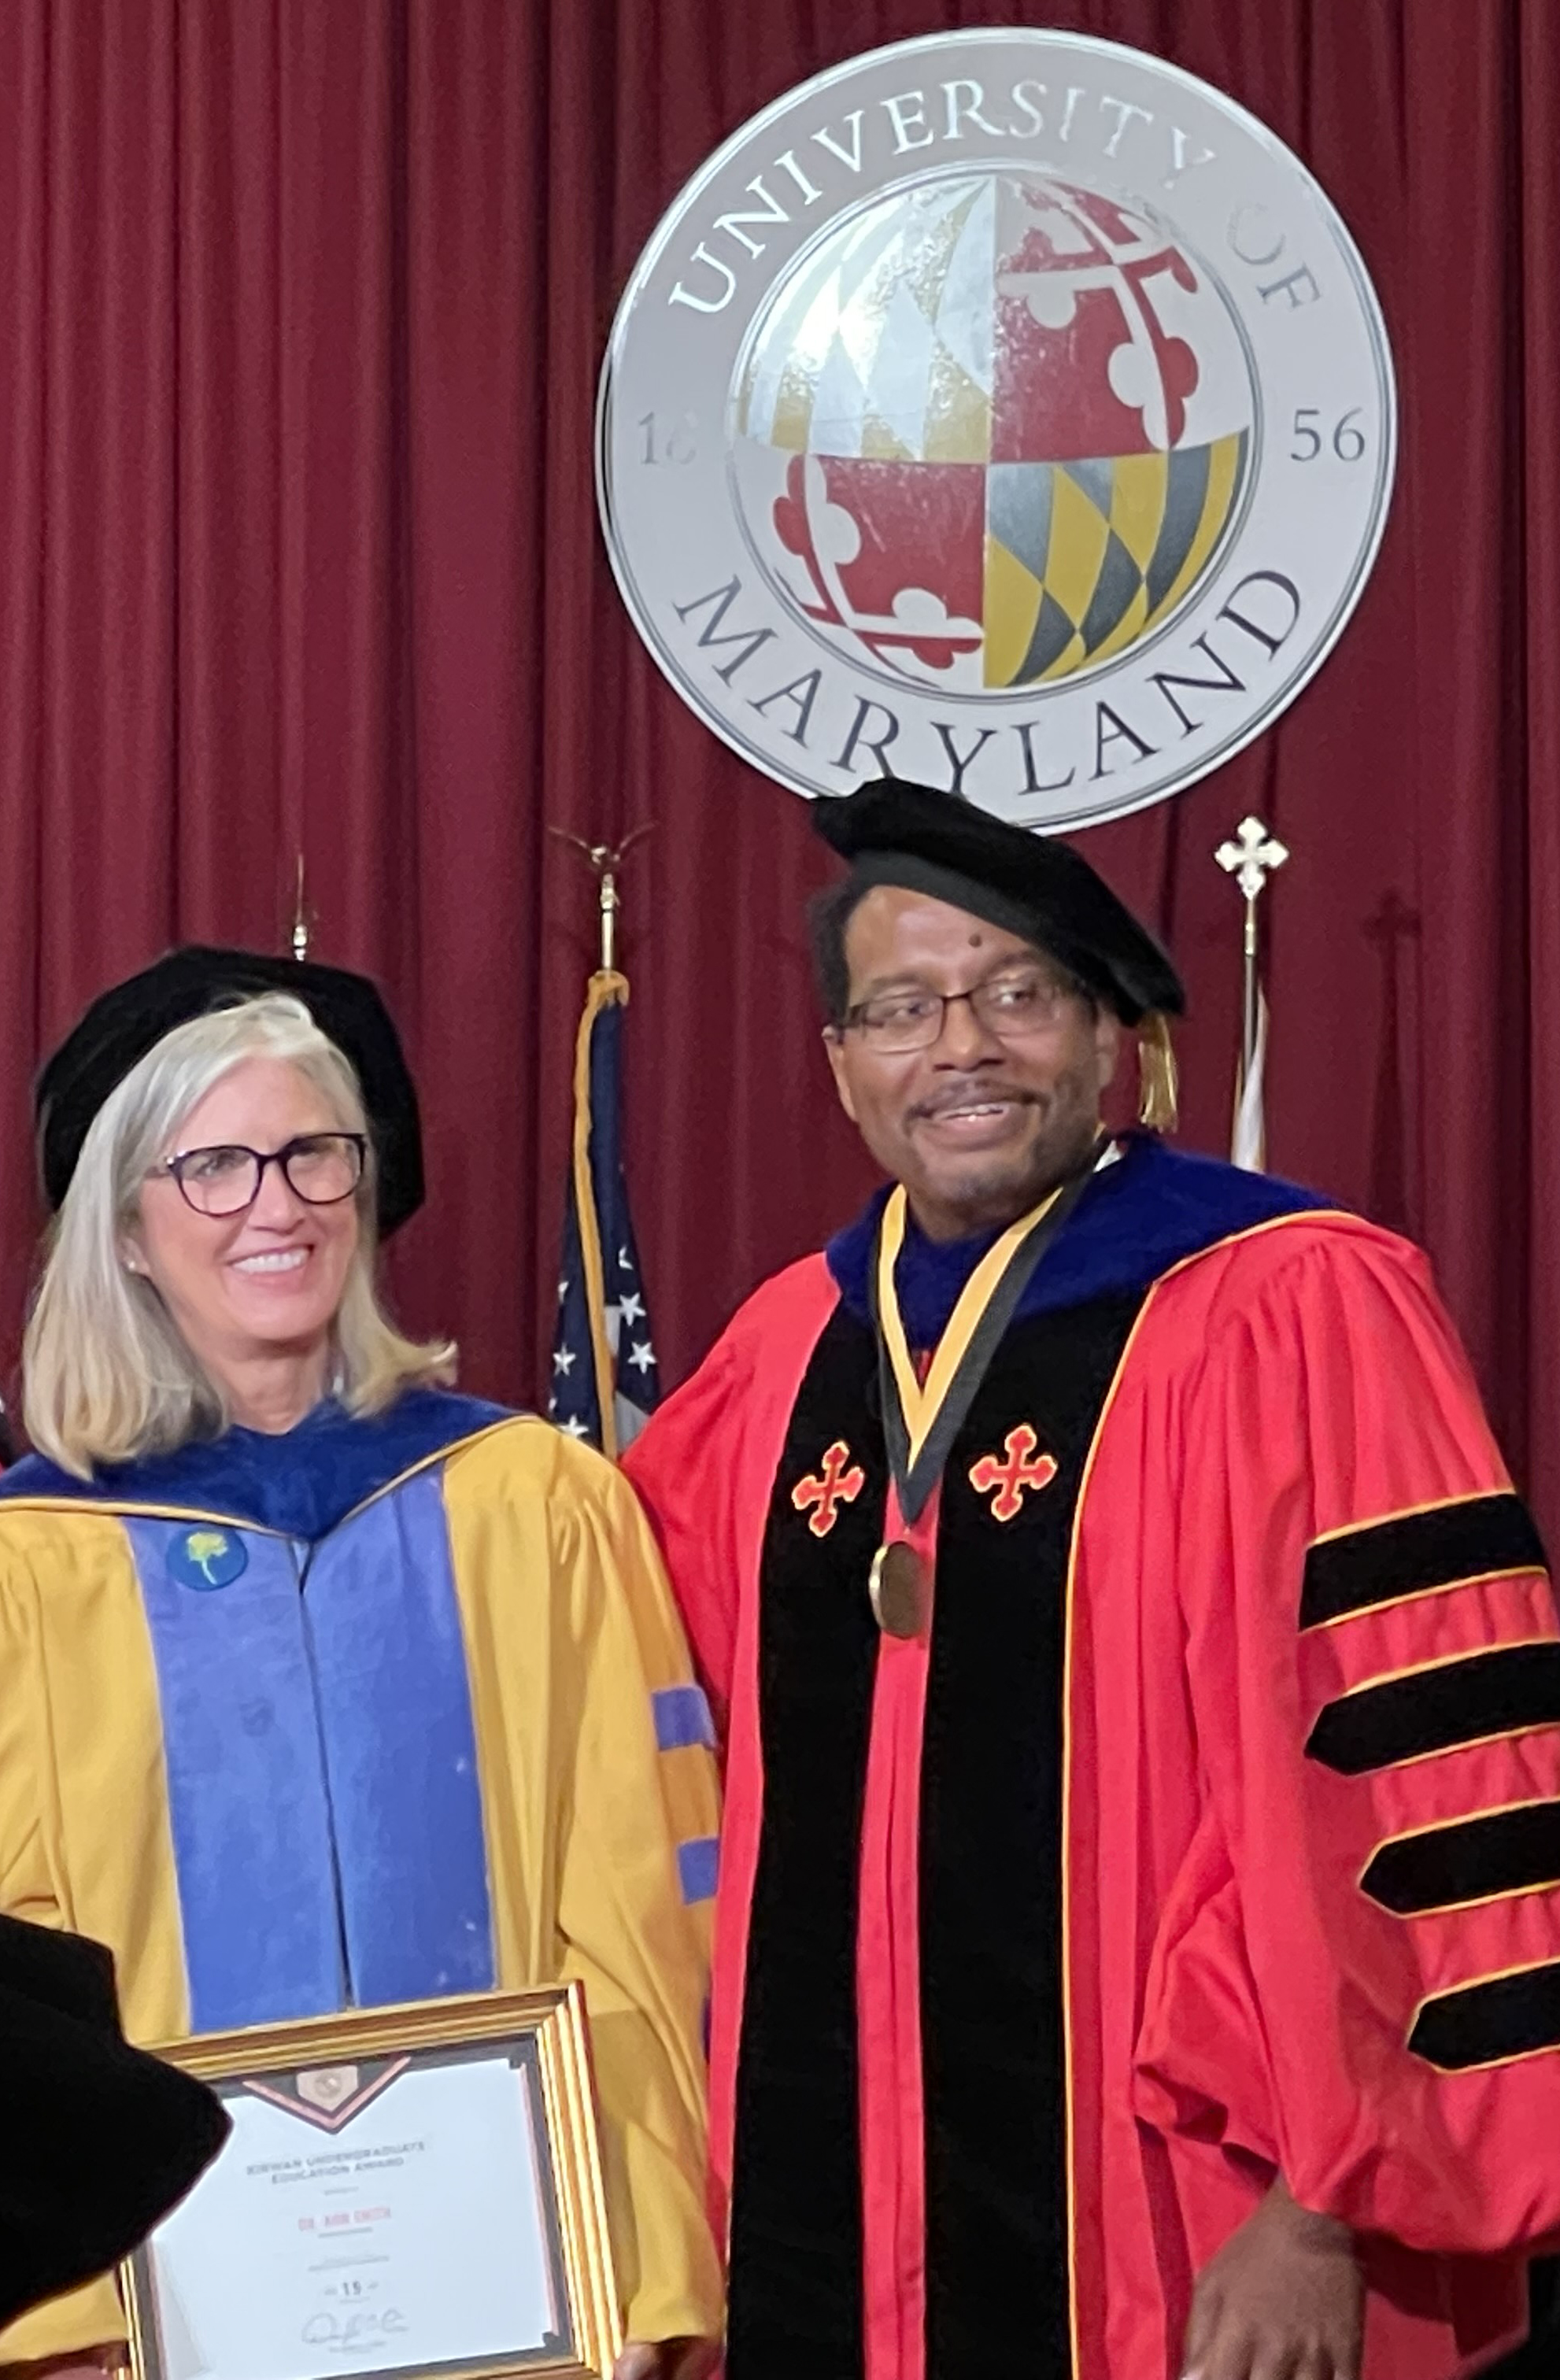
column 1156, row 1073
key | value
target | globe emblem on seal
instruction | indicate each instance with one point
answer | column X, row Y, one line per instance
column 989, row 434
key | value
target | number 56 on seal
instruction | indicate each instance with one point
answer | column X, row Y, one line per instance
column 405, row 2191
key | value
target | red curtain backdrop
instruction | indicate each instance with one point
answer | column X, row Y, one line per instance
column 304, row 307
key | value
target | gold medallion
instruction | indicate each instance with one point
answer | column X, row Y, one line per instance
column 900, row 1588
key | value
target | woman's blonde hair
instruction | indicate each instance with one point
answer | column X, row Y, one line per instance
column 106, row 1373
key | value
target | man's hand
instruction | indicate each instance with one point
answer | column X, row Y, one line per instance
column 1283, row 2300
column 668, row 2359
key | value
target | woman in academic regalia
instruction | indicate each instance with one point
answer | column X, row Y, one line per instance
column 325, row 1685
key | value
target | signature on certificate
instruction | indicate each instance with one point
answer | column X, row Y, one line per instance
column 347, row 2332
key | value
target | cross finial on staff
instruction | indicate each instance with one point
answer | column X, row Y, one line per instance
column 1252, row 857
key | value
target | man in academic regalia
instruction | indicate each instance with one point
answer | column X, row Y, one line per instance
column 1139, row 1941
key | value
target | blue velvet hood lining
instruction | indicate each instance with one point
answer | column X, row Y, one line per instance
column 300, row 1483
column 1151, row 1209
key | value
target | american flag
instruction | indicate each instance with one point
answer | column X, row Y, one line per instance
column 605, row 1384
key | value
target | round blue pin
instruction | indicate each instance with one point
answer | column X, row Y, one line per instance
column 207, row 1558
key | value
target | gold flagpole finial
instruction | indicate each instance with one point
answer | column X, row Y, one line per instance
column 302, row 924
column 605, row 859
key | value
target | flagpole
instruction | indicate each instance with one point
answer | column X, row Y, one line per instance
column 607, row 886
column 1252, row 855
column 600, row 1286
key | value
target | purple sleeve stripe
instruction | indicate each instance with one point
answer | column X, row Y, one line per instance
column 698, row 1865
column 682, row 1717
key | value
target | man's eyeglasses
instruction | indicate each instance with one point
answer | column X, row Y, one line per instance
column 1011, row 1006
column 322, row 1167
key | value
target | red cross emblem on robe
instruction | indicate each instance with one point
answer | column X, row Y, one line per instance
column 840, row 1483
column 1013, row 1474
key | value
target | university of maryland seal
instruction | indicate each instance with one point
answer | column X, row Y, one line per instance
column 1004, row 409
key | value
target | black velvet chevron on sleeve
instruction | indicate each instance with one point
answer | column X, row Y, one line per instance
column 1490, row 2023
column 1418, row 1553
column 1474, row 1858
column 1436, row 1709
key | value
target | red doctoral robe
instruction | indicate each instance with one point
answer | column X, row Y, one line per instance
column 1212, row 1832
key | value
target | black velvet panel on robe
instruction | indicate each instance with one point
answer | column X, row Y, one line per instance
column 795, row 2305
column 990, row 1894
column 998, row 2296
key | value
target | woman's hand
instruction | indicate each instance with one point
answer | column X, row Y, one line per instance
column 1283, row 2300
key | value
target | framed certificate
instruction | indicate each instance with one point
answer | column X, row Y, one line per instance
column 406, row 2192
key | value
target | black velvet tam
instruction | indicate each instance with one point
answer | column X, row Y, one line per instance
column 1030, row 884
column 100, row 2140
column 127, row 1022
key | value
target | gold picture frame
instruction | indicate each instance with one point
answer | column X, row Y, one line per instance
column 314, row 2068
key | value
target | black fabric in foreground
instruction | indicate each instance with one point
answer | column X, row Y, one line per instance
column 100, row 2140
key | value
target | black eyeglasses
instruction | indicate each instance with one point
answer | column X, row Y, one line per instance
column 322, row 1167
column 1012, row 1006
